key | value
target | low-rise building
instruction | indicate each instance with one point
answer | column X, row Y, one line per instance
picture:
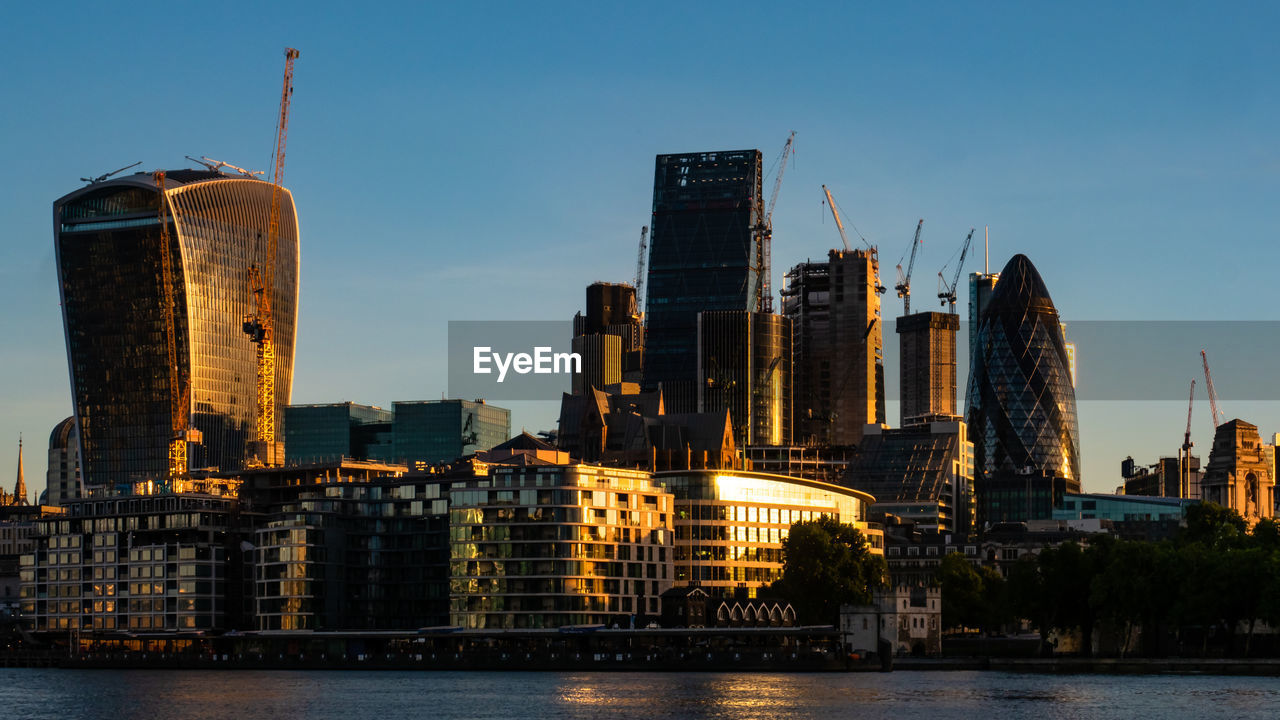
column 904, row 620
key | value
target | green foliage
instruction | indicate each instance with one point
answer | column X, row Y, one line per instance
column 826, row 564
column 971, row 597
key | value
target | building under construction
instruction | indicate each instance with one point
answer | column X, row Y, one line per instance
column 928, row 366
column 109, row 241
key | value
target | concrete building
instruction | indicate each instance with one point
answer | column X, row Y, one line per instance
column 838, row 371
column 922, row 474
column 333, row 432
column 744, row 367
column 902, row 620
column 729, row 525
column 1021, row 404
column 601, row 362
column 927, row 358
column 705, row 254
column 109, row 258
column 546, row 547
column 1239, row 475
column 1163, row 479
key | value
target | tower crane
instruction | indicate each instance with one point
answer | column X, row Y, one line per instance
column 947, row 293
column 766, row 229
column 259, row 325
column 1184, row 480
column 100, row 178
column 639, row 283
column 1213, row 394
column 904, row 281
column 835, row 213
column 179, row 387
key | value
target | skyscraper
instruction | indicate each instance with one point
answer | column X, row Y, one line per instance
column 704, row 254
column 837, row 345
column 928, row 366
column 107, row 240
column 608, row 337
column 1021, row 403
column 744, row 366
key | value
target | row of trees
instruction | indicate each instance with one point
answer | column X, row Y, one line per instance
column 1213, row 579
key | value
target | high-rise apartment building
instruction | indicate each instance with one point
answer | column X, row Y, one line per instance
column 1021, row 404
column 928, row 366
column 107, row 240
column 837, row 347
column 744, row 366
column 705, row 254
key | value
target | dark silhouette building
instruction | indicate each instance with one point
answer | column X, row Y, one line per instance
column 705, row 254
column 837, row 346
column 1021, row 402
column 107, row 240
column 609, row 337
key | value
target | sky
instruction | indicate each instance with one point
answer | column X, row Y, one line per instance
column 487, row 161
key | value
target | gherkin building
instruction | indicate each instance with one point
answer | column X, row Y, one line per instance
column 1021, row 402
column 107, row 241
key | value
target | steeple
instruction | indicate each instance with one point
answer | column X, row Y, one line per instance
column 20, row 489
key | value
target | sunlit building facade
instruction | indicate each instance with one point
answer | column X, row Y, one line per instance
column 107, row 241
column 1021, row 402
column 555, row 546
column 729, row 525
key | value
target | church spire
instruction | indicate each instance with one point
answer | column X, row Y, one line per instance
column 20, row 489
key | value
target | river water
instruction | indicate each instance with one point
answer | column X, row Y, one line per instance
column 383, row 695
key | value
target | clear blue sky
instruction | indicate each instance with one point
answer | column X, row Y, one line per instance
column 487, row 161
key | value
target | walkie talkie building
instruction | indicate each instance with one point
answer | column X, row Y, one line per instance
column 107, row 240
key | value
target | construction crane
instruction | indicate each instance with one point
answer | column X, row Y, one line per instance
column 1213, row 394
column 835, row 213
column 1184, row 480
column 947, row 293
column 766, row 227
column 100, row 178
column 179, row 387
column 638, row 311
column 260, row 325
column 904, row 281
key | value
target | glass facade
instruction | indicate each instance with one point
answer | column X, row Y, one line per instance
column 329, row 433
column 744, row 366
column 1021, row 402
column 558, row 546
column 440, row 431
column 107, row 240
column 729, row 526
column 704, row 254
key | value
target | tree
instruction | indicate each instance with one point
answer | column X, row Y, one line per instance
column 961, row 592
column 827, row 564
column 1213, row 526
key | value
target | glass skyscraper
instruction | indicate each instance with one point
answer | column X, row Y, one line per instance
column 107, row 240
column 704, row 254
column 1021, row 402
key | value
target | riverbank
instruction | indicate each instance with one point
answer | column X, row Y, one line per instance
column 1269, row 667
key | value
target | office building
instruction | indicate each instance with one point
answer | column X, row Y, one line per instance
column 729, row 525
column 1021, row 404
column 921, row 474
column 335, row 431
column 705, row 254
column 611, row 311
column 1239, row 475
column 981, row 285
column 825, row 463
column 838, row 372
column 440, row 431
column 107, row 242
column 1163, row 479
column 62, row 477
column 928, row 366
column 545, row 547
column 744, row 366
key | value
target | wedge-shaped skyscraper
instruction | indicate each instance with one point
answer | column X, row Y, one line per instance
column 1021, row 402
column 107, row 239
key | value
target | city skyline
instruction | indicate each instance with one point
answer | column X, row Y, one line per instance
column 1107, row 148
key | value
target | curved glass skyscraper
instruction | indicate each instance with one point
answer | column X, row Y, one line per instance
column 107, row 240
column 1021, row 402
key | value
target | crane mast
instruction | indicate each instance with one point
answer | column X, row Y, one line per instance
column 260, row 325
column 639, row 284
column 835, row 213
column 1184, row 481
column 179, row 389
column 766, row 235
column 904, row 281
column 947, row 292
column 1213, row 394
